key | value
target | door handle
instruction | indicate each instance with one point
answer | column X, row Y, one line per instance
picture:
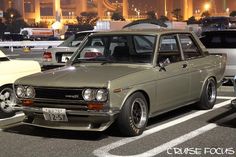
column 184, row 65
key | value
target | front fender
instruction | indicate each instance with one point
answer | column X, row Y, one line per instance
column 118, row 99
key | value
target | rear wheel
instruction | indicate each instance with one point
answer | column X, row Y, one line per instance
column 7, row 101
column 133, row 117
column 208, row 96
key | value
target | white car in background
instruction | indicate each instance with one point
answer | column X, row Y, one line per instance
column 58, row 56
column 11, row 70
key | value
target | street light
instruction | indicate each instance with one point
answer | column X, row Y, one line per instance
column 227, row 11
column 207, row 7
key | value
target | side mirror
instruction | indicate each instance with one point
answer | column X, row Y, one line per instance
column 163, row 64
column 162, row 67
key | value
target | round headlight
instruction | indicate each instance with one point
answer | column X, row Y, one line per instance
column 30, row 92
column 20, row 91
column 89, row 94
column 101, row 95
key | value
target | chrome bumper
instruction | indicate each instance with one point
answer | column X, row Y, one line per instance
column 77, row 120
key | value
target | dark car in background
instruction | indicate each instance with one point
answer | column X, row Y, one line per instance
column 14, row 37
column 219, row 41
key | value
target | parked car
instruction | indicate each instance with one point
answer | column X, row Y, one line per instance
column 58, row 56
column 13, row 37
column 10, row 70
column 129, row 77
column 222, row 41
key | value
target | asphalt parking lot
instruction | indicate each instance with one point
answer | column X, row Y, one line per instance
column 182, row 132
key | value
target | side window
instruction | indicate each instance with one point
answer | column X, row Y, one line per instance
column 168, row 50
column 189, row 47
column 144, row 44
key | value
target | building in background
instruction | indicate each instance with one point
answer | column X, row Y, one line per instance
column 67, row 10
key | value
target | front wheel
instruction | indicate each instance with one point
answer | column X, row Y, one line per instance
column 133, row 117
column 7, row 101
column 208, row 96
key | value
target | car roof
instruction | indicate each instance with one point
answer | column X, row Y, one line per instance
column 142, row 31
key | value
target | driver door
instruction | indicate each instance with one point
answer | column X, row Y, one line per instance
column 172, row 74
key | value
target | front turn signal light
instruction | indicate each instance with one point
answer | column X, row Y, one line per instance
column 27, row 102
column 95, row 106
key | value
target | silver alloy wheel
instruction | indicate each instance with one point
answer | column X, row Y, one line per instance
column 211, row 91
column 7, row 100
column 139, row 112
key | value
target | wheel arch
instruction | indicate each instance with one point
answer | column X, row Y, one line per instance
column 145, row 94
column 204, row 82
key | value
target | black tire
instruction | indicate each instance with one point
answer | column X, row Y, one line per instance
column 7, row 99
column 208, row 96
column 133, row 117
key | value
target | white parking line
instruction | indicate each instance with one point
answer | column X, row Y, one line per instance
column 104, row 151
column 225, row 97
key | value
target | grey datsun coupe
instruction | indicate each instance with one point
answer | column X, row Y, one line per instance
column 124, row 77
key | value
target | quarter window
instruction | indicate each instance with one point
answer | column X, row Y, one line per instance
column 189, row 47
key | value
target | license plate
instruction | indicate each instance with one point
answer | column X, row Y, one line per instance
column 55, row 114
column 65, row 57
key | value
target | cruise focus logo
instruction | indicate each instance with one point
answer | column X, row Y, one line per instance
column 201, row 151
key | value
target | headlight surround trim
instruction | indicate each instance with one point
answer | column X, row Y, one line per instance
column 99, row 95
column 30, row 92
column 25, row 92
column 20, row 91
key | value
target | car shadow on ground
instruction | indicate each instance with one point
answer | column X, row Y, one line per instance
column 174, row 114
column 226, row 119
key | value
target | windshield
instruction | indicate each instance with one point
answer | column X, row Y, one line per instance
column 74, row 40
column 117, row 49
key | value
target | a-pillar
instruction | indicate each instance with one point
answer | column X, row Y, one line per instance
column 125, row 8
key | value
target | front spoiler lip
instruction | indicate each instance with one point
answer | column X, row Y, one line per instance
column 70, row 112
column 109, row 118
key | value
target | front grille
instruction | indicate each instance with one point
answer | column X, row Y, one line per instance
column 59, row 94
column 67, row 98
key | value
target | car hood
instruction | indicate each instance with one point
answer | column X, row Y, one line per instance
column 79, row 76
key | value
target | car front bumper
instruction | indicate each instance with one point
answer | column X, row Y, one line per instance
column 77, row 120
